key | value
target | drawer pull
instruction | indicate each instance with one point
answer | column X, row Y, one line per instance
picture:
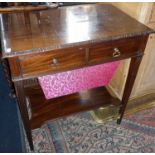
column 116, row 52
column 54, row 61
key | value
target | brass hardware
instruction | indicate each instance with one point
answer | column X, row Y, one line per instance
column 116, row 53
column 54, row 61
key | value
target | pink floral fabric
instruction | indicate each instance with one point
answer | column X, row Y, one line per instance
column 69, row 82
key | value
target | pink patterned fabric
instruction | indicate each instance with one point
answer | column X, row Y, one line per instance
column 69, row 82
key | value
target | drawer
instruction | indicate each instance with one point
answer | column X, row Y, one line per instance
column 113, row 50
column 53, row 61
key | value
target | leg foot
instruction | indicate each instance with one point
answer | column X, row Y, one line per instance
column 119, row 121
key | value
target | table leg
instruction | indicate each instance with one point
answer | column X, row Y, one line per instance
column 23, row 110
column 133, row 69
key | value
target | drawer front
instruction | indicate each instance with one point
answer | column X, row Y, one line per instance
column 53, row 61
column 114, row 50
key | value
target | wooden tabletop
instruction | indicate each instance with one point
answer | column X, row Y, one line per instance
column 40, row 31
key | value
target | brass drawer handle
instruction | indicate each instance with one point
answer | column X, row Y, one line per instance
column 116, row 53
column 54, row 61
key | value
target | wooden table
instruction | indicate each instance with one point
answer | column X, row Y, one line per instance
column 67, row 38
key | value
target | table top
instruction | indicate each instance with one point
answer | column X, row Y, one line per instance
column 41, row 31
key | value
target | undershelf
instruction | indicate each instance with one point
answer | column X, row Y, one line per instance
column 43, row 109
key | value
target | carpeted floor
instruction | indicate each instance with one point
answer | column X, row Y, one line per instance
column 80, row 133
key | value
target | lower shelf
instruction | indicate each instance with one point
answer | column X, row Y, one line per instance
column 43, row 110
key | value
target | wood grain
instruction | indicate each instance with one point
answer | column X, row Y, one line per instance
column 43, row 109
column 23, row 8
column 104, row 51
column 152, row 17
column 66, row 59
column 34, row 65
column 19, row 87
column 35, row 32
column 134, row 66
